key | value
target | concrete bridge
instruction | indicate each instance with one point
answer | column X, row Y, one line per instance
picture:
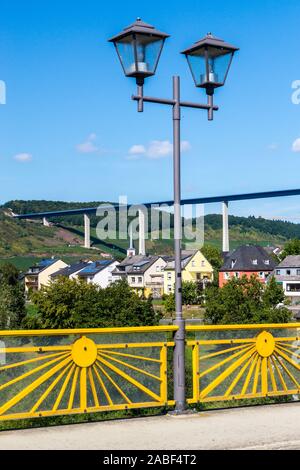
column 260, row 427
column 224, row 200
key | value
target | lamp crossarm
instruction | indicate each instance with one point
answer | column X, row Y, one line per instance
column 184, row 104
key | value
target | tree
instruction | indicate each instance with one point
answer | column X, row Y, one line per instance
column 273, row 294
column 246, row 300
column 214, row 256
column 12, row 298
column 292, row 247
column 192, row 294
column 68, row 303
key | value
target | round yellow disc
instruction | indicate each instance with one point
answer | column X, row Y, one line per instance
column 265, row 344
column 84, row 352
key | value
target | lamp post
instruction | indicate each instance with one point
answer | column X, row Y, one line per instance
column 139, row 47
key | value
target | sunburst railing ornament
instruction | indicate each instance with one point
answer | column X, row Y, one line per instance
column 239, row 362
column 58, row 372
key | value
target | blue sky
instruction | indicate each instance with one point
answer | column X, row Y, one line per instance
column 68, row 125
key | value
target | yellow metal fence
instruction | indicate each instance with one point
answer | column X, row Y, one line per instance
column 60, row 372
column 233, row 362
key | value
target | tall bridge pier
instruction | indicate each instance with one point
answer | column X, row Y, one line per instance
column 87, row 231
column 142, row 247
column 225, row 227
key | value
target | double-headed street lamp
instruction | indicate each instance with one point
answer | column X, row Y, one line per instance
column 139, row 47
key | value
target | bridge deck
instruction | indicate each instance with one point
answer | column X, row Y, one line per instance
column 263, row 427
column 198, row 200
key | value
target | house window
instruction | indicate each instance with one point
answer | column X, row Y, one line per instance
column 261, row 275
column 293, row 287
column 226, row 275
column 169, row 276
column 233, row 261
column 298, row 272
column 278, row 272
column 254, row 261
column 133, row 280
column 203, row 263
column 169, row 288
column 157, row 269
column 140, row 280
column 193, row 264
column 267, row 262
column 288, row 272
column 236, row 274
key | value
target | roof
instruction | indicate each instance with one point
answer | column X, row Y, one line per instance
column 43, row 264
column 139, row 27
column 74, row 268
column 210, row 41
column 186, row 256
column 94, row 268
column 292, row 261
column 248, row 258
column 136, row 264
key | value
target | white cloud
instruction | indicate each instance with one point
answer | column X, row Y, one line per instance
column 23, row 157
column 137, row 150
column 296, row 145
column 156, row 149
column 89, row 145
column 159, row 149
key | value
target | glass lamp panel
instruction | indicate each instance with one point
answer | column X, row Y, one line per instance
column 198, row 68
column 148, row 50
column 218, row 64
column 126, row 53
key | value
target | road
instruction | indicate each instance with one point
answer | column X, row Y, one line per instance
column 265, row 427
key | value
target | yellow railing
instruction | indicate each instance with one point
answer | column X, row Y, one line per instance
column 233, row 362
column 59, row 372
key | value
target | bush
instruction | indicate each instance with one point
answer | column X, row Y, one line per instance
column 245, row 300
column 68, row 303
column 12, row 298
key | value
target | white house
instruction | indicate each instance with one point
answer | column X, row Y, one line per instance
column 144, row 274
column 287, row 273
column 99, row 272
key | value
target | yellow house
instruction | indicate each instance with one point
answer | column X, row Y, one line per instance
column 195, row 268
column 40, row 274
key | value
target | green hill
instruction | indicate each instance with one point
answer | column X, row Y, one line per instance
column 24, row 241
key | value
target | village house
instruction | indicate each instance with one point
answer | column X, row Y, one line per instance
column 287, row 273
column 40, row 274
column 99, row 272
column 145, row 274
column 247, row 260
column 195, row 268
column 70, row 271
